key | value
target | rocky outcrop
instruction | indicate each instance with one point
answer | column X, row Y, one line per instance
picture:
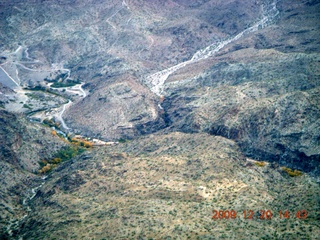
column 121, row 109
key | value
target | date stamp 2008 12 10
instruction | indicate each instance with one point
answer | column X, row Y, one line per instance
column 260, row 214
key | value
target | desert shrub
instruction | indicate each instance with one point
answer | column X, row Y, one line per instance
column 81, row 142
column 87, row 144
column 292, row 173
column 260, row 164
column 26, row 106
column 43, row 163
column 51, row 123
column 56, row 160
column 65, row 84
column 122, row 140
column 47, row 168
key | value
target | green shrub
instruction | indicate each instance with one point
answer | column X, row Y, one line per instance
column 26, row 106
column 62, row 155
column 51, row 123
column 122, row 140
column 69, row 152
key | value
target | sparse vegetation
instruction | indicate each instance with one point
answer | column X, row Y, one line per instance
column 61, row 81
column 34, row 96
column 81, row 142
column 260, row 164
column 292, row 173
column 122, row 140
column 248, row 80
column 63, row 155
column 65, row 84
column 43, row 89
column 130, row 180
column 51, row 123
column 47, row 168
column 27, row 106
column 69, row 152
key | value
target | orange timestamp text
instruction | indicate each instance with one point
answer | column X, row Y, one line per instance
column 260, row 214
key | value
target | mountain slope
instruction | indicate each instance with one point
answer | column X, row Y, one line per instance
column 274, row 109
column 214, row 104
column 23, row 145
column 167, row 186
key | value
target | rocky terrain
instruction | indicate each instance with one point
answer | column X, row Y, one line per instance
column 4, row 92
column 215, row 104
column 273, row 116
column 274, row 109
column 166, row 187
column 23, row 145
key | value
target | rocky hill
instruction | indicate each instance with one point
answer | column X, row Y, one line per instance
column 167, row 187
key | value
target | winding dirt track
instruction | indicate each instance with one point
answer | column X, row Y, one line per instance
column 14, row 84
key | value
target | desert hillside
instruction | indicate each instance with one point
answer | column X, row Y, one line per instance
column 131, row 119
